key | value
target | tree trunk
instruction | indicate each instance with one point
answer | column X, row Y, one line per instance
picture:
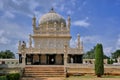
column 98, row 75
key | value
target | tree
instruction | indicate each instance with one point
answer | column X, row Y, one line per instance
column 116, row 54
column 99, row 64
column 115, row 61
column 7, row 54
column 91, row 55
column 108, row 61
column 111, row 61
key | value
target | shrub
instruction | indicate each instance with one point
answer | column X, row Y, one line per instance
column 14, row 76
column 3, row 78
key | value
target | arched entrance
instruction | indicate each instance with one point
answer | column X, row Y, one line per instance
column 51, row 59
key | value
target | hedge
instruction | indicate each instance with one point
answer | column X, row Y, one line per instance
column 13, row 76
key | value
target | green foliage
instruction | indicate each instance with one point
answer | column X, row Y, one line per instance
column 99, row 64
column 111, row 62
column 91, row 55
column 116, row 54
column 115, row 61
column 108, row 61
column 7, row 54
column 3, row 78
column 14, row 76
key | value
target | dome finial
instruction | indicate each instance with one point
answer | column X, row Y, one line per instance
column 52, row 10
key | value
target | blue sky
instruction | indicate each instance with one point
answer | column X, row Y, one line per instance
column 97, row 21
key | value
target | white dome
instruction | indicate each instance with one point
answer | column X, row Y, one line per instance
column 52, row 17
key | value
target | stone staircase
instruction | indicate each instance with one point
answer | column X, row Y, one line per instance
column 44, row 72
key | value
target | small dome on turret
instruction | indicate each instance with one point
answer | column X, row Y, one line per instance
column 52, row 17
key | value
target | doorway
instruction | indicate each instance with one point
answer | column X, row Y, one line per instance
column 51, row 59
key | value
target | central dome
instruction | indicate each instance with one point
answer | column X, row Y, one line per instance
column 52, row 17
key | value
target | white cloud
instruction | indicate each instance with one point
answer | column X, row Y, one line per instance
column 82, row 23
column 91, row 39
column 118, row 43
column 8, row 15
column 73, row 2
column 69, row 12
column 108, row 51
column 4, row 40
column 1, row 32
column 73, row 43
column 62, row 7
column 1, row 5
column 11, row 33
column 83, row 4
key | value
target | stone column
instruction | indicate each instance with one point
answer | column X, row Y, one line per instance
column 47, row 58
column 31, row 59
column 62, row 59
column 20, row 58
column 23, row 58
column 65, row 55
column 65, row 59
column 23, row 52
column 26, row 59
column 39, row 58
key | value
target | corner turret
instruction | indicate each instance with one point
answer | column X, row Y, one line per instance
column 69, row 22
column 34, row 22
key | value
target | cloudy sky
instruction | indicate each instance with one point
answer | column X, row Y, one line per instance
column 97, row 21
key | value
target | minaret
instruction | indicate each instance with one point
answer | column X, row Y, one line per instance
column 69, row 22
column 30, row 41
column 34, row 22
column 62, row 26
column 78, row 41
column 19, row 46
column 81, row 46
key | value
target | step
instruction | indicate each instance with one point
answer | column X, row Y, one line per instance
column 44, row 69
column 44, row 76
column 44, row 72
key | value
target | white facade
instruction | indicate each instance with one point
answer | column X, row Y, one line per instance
column 50, row 40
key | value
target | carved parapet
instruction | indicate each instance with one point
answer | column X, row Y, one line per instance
column 43, row 51
column 74, row 51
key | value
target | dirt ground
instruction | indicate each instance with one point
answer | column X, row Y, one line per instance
column 43, row 79
column 70, row 79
